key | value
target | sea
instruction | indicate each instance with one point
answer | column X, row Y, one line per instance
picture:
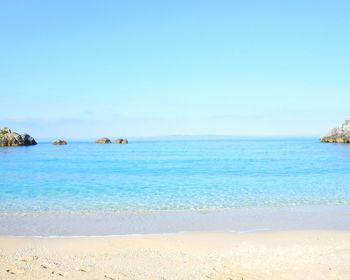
column 171, row 185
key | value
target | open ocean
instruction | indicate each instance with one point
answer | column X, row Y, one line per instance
column 172, row 175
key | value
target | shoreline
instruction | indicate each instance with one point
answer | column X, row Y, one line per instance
column 129, row 224
column 284, row 255
column 170, row 234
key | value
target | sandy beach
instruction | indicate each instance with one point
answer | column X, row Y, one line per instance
column 199, row 255
column 174, row 140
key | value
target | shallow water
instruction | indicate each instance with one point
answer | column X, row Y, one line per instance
column 173, row 175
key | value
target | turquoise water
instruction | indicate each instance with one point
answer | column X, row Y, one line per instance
column 174, row 175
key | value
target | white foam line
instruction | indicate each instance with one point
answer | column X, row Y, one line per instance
column 141, row 234
column 99, row 236
column 255, row 230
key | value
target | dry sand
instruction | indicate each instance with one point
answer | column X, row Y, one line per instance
column 265, row 255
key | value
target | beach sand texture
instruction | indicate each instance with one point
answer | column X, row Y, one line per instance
column 202, row 255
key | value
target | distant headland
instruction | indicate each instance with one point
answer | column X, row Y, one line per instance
column 9, row 138
column 340, row 134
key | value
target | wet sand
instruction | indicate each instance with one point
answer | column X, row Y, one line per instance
column 235, row 220
column 198, row 255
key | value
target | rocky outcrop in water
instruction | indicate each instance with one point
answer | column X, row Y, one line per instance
column 340, row 134
column 121, row 141
column 60, row 142
column 103, row 140
column 9, row 138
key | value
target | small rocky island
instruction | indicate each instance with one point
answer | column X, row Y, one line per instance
column 121, row 141
column 340, row 134
column 9, row 138
column 60, row 142
column 103, row 140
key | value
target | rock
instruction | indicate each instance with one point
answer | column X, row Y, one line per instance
column 340, row 134
column 5, row 130
column 103, row 140
column 121, row 141
column 9, row 138
column 60, row 142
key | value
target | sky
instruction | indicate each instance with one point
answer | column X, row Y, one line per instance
column 85, row 69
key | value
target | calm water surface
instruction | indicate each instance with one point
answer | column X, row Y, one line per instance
column 173, row 175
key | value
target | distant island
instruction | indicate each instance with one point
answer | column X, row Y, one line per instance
column 106, row 140
column 60, row 142
column 340, row 134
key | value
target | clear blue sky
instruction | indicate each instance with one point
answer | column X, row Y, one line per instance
column 82, row 69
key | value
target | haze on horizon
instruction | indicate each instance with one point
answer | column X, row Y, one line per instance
column 83, row 69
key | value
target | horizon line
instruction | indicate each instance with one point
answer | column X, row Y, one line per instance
column 179, row 136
